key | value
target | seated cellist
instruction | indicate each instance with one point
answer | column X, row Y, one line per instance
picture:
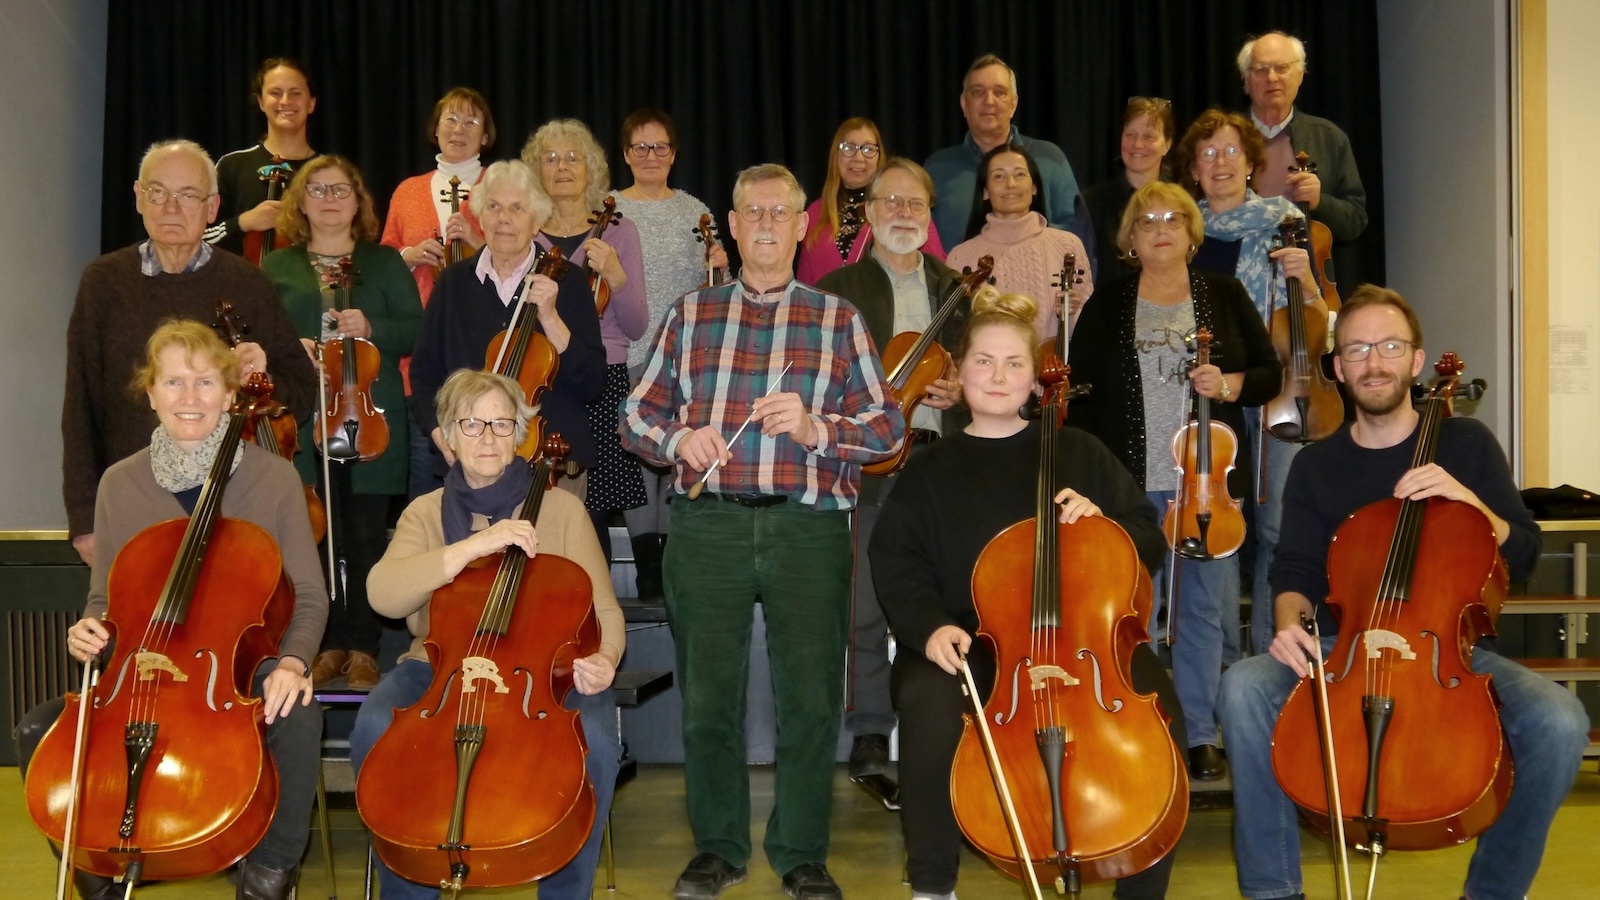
column 190, row 377
column 484, row 419
column 947, row 504
column 1378, row 346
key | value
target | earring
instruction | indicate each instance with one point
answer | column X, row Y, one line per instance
column 1132, row 253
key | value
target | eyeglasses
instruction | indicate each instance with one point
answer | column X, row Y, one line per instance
column 1386, row 349
column 642, row 150
column 848, row 150
column 552, row 158
column 156, row 195
column 1231, row 151
column 1260, row 70
column 1151, row 221
column 452, row 120
column 316, row 190
column 474, row 427
column 754, row 213
column 895, row 203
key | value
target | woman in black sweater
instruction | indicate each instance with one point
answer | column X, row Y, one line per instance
column 946, row 506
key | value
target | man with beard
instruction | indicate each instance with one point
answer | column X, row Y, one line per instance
column 1379, row 351
column 897, row 288
column 797, row 366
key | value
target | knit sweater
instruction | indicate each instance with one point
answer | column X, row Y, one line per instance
column 955, row 177
column 264, row 490
column 403, row 581
column 103, row 420
column 626, row 316
column 384, row 291
column 413, row 218
column 674, row 261
column 242, row 188
column 1027, row 260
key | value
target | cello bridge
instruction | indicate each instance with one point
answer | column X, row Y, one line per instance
column 478, row 668
column 1377, row 640
column 147, row 664
column 1038, row 675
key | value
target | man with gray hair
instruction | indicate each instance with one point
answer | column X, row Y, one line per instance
column 124, row 295
column 1272, row 67
column 797, row 366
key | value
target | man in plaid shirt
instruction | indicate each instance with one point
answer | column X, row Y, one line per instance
column 772, row 524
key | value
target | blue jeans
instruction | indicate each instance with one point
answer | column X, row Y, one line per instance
column 407, row 683
column 1203, row 592
column 1545, row 726
column 420, row 465
column 1269, row 519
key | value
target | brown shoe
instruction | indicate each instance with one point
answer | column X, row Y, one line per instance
column 361, row 671
column 327, row 666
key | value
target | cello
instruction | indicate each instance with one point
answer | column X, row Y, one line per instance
column 502, row 639
column 1415, row 584
column 257, row 244
column 522, row 352
column 1204, row 521
column 1100, row 789
column 916, row 360
column 177, row 779
column 351, row 427
column 601, row 219
column 1309, row 407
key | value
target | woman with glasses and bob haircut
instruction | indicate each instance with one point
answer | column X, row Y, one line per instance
column 1131, row 346
column 839, row 233
column 484, row 419
column 328, row 220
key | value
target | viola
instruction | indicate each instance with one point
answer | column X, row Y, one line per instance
column 456, row 250
column 706, row 233
column 523, row 353
column 446, row 790
column 1098, row 788
column 602, row 219
column 915, row 360
column 257, row 244
column 1321, row 240
column 351, row 427
column 1414, row 584
column 1204, row 521
column 1069, row 276
column 1309, row 407
column 281, row 436
column 178, row 779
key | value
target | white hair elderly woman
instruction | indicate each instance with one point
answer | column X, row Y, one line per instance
column 472, row 303
column 475, row 515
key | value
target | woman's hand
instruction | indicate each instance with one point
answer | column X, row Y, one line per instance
column 946, row 646
column 719, row 257
column 503, row 534
column 1296, row 264
column 1208, row 381
column 86, row 639
column 291, row 679
column 251, row 357
column 351, row 323
column 457, row 228
column 1075, row 506
column 601, row 257
column 592, row 674
column 428, row 253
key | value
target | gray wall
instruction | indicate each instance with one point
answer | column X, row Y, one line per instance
column 1446, row 170
column 52, row 62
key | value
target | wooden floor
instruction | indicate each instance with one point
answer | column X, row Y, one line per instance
column 653, row 844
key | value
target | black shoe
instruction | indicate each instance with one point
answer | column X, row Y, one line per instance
column 811, row 881
column 869, row 755
column 1206, row 762
column 883, row 789
column 95, row 887
column 706, row 876
column 257, row 882
column 647, row 566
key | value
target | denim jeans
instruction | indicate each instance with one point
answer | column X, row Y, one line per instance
column 1269, row 519
column 1545, row 725
column 1203, row 590
column 407, row 683
column 722, row 558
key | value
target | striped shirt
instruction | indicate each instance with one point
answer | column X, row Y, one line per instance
column 721, row 348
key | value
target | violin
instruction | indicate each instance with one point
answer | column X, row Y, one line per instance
column 351, row 426
column 1204, row 521
column 281, row 436
column 178, row 779
column 1414, row 584
column 445, row 790
column 1321, row 240
column 456, row 250
column 706, row 233
column 915, row 360
column 524, row 354
column 602, row 219
column 1065, row 279
column 1099, row 790
column 1309, row 407
column 257, row 244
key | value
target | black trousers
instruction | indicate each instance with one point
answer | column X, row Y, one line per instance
column 930, row 705
column 360, row 535
column 295, row 742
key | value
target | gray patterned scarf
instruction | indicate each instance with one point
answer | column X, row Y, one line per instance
column 1254, row 224
column 178, row 470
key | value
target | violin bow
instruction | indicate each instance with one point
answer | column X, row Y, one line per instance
column 1030, row 879
column 91, row 677
column 699, row 486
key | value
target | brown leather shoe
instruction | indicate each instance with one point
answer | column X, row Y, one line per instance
column 327, row 666
column 361, row 671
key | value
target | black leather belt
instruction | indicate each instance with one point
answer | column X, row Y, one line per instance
column 922, row 436
column 753, row 501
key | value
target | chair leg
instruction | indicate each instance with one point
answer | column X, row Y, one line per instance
column 327, row 835
column 611, row 859
column 370, row 872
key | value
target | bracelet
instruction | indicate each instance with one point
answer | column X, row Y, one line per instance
column 1226, row 391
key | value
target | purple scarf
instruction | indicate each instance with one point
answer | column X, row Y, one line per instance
column 496, row 501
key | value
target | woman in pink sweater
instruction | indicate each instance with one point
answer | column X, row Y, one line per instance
column 1028, row 253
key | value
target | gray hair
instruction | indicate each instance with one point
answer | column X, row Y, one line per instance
column 175, row 146
column 516, row 174
column 594, row 158
column 984, row 62
column 769, row 172
column 1249, row 49
column 465, row 387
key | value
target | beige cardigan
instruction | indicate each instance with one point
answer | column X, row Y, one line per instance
column 403, row 581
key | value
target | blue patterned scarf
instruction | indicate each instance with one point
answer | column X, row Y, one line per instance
column 495, row 502
column 1254, row 224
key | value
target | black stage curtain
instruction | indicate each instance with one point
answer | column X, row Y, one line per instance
column 747, row 80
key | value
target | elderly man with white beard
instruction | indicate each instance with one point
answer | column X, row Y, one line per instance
column 897, row 288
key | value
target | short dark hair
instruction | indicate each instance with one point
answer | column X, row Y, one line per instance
column 1373, row 295
column 641, row 117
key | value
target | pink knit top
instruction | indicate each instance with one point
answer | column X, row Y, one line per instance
column 1027, row 260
